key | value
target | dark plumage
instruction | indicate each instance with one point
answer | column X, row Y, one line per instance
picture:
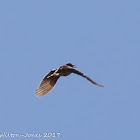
column 49, row 81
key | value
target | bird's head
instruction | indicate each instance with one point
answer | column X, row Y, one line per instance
column 71, row 65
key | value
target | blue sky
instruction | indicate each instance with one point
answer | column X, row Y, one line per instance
column 102, row 38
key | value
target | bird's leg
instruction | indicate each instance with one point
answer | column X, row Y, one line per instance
column 54, row 74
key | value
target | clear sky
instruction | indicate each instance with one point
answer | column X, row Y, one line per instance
column 102, row 38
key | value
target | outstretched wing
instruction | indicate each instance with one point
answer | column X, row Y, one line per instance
column 46, row 84
column 81, row 74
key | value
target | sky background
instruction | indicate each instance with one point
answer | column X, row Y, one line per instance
column 102, row 38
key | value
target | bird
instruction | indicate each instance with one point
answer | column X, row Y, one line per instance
column 49, row 80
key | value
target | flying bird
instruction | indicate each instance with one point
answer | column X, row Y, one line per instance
column 49, row 81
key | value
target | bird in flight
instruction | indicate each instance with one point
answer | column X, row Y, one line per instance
column 49, row 81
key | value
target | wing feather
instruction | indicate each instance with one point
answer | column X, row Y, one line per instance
column 46, row 84
column 83, row 75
